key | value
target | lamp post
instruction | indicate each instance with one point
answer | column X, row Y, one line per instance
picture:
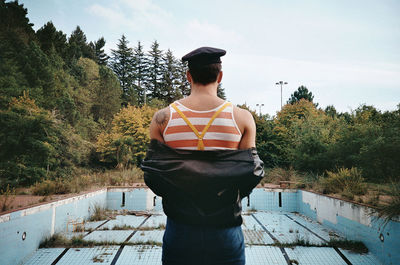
column 260, row 105
column 281, row 83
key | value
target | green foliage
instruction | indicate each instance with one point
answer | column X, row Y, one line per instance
column 344, row 180
column 122, row 62
column 391, row 210
column 126, row 144
column 221, row 91
column 301, row 93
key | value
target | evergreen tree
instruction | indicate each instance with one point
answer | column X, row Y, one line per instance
column 78, row 46
column 302, row 92
column 140, row 73
column 183, row 85
column 221, row 91
column 49, row 38
column 107, row 97
column 170, row 91
column 154, row 71
column 100, row 56
column 122, row 62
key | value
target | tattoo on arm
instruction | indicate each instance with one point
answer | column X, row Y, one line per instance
column 161, row 118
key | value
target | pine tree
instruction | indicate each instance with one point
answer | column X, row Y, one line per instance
column 122, row 65
column 49, row 38
column 183, row 85
column 100, row 56
column 221, row 91
column 154, row 71
column 169, row 88
column 140, row 72
column 302, row 92
column 78, row 46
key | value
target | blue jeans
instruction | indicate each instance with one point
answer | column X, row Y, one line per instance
column 197, row 245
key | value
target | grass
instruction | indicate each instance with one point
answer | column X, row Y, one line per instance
column 58, row 240
column 391, row 210
column 7, row 198
column 86, row 181
column 354, row 246
column 100, row 213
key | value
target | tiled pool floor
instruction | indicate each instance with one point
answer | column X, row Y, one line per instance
column 270, row 237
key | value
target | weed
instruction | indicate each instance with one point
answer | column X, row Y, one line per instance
column 122, row 227
column 57, row 240
column 349, row 182
column 99, row 213
column 293, row 261
column 354, row 246
column 7, row 198
column 391, row 210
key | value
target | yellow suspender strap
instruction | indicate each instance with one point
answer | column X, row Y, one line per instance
column 200, row 145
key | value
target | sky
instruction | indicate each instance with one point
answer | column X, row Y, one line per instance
column 347, row 53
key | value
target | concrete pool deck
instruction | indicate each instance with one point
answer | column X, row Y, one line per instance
column 264, row 231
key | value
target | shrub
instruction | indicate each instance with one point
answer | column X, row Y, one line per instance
column 344, row 181
column 391, row 210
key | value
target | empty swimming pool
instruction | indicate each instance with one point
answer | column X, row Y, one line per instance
column 280, row 227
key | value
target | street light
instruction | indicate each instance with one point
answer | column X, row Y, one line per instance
column 281, row 83
column 260, row 105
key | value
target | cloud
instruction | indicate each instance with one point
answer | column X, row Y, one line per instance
column 200, row 33
column 137, row 15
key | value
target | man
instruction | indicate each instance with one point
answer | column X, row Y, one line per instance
column 202, row 161
column 206, row 65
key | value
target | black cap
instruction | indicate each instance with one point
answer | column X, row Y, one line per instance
column 204, row 56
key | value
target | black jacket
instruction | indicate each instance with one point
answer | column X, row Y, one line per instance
column 202, row 187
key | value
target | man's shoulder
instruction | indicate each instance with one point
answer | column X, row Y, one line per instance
column 161, row 116
column 242, row 113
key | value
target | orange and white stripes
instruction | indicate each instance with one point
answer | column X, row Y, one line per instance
column 223, row 132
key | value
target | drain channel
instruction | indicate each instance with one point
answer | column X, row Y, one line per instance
column 285, row 255
column 116, row 257
column 323, row 239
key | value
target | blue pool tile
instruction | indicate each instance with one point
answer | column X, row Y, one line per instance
column 140, row 255
column 44, row 256
column 89, row 256
column 315, row 256
column 261, row 255
column 360, row 259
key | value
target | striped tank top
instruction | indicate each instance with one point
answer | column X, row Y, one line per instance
column 202, row 130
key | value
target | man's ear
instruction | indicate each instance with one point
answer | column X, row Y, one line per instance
column 189, row 77
column 219, row 78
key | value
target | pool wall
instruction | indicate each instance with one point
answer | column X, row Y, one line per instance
column 22, row 231
column 355, row 222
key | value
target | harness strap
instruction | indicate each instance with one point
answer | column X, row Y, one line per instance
column 200, row 144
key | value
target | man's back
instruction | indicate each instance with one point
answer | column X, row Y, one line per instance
column 203, row 103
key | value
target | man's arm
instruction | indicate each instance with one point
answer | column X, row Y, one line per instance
column 158, row 124
column 247, row 126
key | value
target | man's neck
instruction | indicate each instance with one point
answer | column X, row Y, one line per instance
column 204, row 90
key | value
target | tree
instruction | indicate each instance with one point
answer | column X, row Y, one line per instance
column 183, row 85
column 100, row 56
column 221, row 91
column 169, row 89
column 127, row 142
column 107, row 97
column 140, row 73
column 49, row 38
column 78, row 46
column 302, row 92
column 154, row 71
column 122, row 62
